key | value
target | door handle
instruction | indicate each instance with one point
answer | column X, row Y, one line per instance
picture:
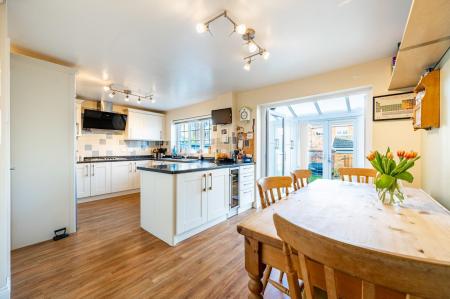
column 210, row 181
column 204, row 182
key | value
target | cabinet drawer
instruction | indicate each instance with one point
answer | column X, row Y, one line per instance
column 244, row 186
column 246, row 178
column 247, row 169
column 246, row 196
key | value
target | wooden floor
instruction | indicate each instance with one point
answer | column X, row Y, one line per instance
column 112, row 257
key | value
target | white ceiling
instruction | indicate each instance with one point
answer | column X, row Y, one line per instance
column 152, row 46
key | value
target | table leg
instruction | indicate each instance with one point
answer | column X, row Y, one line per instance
column 254, row 267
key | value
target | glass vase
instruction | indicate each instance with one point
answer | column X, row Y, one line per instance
column 391, row 195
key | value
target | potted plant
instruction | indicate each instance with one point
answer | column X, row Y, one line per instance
column 390, row 172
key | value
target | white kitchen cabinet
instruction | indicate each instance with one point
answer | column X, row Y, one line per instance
column 191, row 200
column 201, row 197
column 121, row 176
column 143, row 125
column 136, row 174
column 93, row 179
column 100, row 178
column 218, row 193
column 83, row 180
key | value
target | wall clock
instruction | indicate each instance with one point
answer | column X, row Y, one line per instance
column 245, row 114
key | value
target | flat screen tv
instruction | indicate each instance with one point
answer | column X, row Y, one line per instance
column 221, row 116
column 94, row 119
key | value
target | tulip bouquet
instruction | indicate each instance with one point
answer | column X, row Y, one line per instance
column 390, row 172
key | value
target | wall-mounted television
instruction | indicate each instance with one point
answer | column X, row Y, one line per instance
column 221, row 116
column 94, row 119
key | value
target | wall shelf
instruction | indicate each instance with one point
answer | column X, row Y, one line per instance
column 426, row 113
column 425, row 41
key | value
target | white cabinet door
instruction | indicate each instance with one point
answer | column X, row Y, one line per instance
column 191, row 201
column 218, row 193
column 143, row 125
column 121, row 176
column 137, row 173
column 100, row 178
column 156, row 124
column 83, row 180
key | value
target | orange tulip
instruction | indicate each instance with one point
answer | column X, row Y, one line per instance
column 371, row 156
column 401, row 154
column 389, row 155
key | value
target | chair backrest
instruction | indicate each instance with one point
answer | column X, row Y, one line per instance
column 375, row 271
column 362, row 174
column 300, row 178
column 268, row 184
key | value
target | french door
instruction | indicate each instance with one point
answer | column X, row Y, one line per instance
column 331, row 144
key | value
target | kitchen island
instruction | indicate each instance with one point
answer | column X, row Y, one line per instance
column 179, row 200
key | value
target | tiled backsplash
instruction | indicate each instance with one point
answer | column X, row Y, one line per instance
column 104, row 143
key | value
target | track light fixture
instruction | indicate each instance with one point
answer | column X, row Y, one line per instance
column 128, row 94
column 248, row 35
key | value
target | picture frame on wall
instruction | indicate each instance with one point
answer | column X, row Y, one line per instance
column 393, row 106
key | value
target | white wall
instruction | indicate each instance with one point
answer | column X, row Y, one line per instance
column 42, row 149
column 5, row 249
column 436, row 146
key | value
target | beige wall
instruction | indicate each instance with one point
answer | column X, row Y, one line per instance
column 374, row 74
column 436, row 146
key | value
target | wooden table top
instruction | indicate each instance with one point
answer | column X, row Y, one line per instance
column 419, row 228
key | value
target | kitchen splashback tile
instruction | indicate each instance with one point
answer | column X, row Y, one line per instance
column 102, row 141
column 88, row 147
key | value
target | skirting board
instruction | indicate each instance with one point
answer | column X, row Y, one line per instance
column 181, row 237
column 108, row 195
column 5, row 291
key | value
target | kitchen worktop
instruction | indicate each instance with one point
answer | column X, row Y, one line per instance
column 190, row 167
column 136, row 158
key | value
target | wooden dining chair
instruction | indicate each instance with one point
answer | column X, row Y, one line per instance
column 362, row 174
column 266, row 187
column 376, row 274
column 300, row 178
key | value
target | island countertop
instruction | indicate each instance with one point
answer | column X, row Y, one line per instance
column 175, row 168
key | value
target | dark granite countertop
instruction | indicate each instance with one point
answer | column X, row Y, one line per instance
column 134, row 158
column 189, row 167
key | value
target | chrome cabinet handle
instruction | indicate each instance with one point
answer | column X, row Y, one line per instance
column 130, row 168
column 210, row 181
column 93, row 171
column 87, row 170
column 204, row 183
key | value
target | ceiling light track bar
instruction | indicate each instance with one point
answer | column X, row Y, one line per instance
column 247, row 34
column 130, row 93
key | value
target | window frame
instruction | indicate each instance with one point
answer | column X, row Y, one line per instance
column 195, row 135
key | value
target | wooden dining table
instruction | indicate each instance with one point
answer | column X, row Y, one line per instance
column 418, row 228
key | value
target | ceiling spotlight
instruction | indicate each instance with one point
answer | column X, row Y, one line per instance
column 111, row 95
column 152, row 100
column 127, row 98
column 252, row 47
column 105, row 88
column 265, row 55
column 139, row 100
column 241, row 29
column 247, row 66
column 201, row 27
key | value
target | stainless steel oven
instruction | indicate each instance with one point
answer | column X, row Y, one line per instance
column 234, row 192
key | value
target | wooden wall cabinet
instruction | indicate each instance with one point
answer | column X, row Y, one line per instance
column 426, row 114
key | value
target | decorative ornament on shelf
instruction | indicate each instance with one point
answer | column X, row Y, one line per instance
column 390, row 172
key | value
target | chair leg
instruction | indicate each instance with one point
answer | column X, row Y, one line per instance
column 266, row 277
column 280, row 279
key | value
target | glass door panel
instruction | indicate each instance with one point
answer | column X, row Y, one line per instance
column 342, row 146
column 315, row 150
column 275, row 144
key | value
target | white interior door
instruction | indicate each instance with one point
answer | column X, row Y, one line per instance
column 275, row 144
